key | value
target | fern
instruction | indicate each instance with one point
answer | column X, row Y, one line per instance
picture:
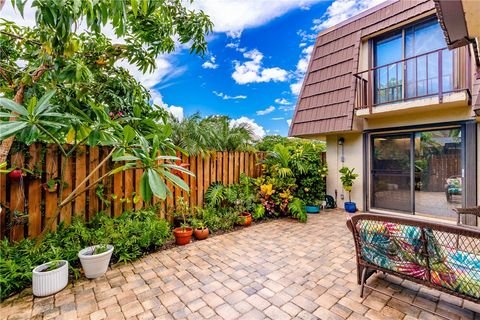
column 215, row 194
column 297, row 209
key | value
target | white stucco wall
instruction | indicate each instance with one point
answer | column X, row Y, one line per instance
column 353, row 153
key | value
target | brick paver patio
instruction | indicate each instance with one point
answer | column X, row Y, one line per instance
column 275, row 270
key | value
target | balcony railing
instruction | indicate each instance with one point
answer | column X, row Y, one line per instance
column 430, row 74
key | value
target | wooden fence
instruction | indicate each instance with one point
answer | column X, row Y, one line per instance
column 441, row 167
column 27, row 205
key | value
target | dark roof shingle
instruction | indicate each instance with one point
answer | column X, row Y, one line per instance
column 326, row 100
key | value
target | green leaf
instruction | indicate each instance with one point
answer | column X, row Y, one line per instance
column 126, row 158
column 181, row 169
column 29, row 135
column 175, row 180
column 20, row 6
column 128, row 134
column 6, row 115
column 10, row 128
column 93, row 138
column 13, row 106
column 43, row 103
column 145, row 190
column 134, row 7
column 31, row 104
column 156, row 184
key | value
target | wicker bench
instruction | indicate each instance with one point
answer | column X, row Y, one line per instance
column 439, row 256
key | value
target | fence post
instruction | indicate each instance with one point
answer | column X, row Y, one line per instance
column 35, row 192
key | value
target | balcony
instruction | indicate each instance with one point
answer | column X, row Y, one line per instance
column 435, row 77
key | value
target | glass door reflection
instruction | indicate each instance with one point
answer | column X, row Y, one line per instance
column 391, row 172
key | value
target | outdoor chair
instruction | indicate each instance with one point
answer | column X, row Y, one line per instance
column 441, row 256
column 463, row 211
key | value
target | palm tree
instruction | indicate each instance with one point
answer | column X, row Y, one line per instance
column 228, row 137
column 190, row 135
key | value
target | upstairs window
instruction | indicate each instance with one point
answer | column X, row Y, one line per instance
column 410, row 62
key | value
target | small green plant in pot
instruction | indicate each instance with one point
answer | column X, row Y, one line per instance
column 347, row 178
column 200, row 230
column 183, row 234
column 49, row 278
column 95, row 260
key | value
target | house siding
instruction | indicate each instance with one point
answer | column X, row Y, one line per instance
column 326, row 101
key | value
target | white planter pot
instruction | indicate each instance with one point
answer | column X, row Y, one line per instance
column 49, row 282
column 95, row 265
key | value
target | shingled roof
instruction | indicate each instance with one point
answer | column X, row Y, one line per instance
column 326, row 100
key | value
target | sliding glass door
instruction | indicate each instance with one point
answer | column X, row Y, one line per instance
column 391, row 172
column 438, row 172
column 418, row 172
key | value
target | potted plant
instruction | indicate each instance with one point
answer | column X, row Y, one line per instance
column 244, row 202
column 347, row 178
column 200, row 230
column 245, row 219
column 313, row 206
column 50, row 278
column 95, row 260
column 183, row 234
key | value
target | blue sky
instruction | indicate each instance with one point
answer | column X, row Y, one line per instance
column 258, row 54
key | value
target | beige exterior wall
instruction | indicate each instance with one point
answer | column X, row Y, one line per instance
column 353, row 151
column 353, row 147
column 427, row 115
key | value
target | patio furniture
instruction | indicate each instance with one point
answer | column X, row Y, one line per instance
column 418, row 250
column 453, row 187
column 461, row 211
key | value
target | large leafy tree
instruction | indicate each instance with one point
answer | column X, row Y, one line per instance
column 63, row 84
column 81, row 63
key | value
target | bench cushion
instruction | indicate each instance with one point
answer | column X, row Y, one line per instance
column 393, row 247
column 399, row 248
column 460, row 273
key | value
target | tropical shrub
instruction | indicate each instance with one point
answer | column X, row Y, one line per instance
column 62, row 85
column 310, row 179
column 223, row 219
column 133, row 234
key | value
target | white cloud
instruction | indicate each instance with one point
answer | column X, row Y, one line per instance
column 257, row 129
column 157, row 100
column 296, row 87
column 289, row 122
column 210, row 64
column 282, row 101
column 253, row 71
column 177, row 112
column 233, row 16
column 265, row 111
column 279, row 118
column 341, row 10
column 302, row 66
column 227, row 97
column 234, row 34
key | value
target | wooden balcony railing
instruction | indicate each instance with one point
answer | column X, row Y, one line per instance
column 430, row 74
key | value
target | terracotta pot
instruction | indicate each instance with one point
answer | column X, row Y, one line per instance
column 200, row 234
column 182, row 236
column 245, row 219
column 16, row 174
